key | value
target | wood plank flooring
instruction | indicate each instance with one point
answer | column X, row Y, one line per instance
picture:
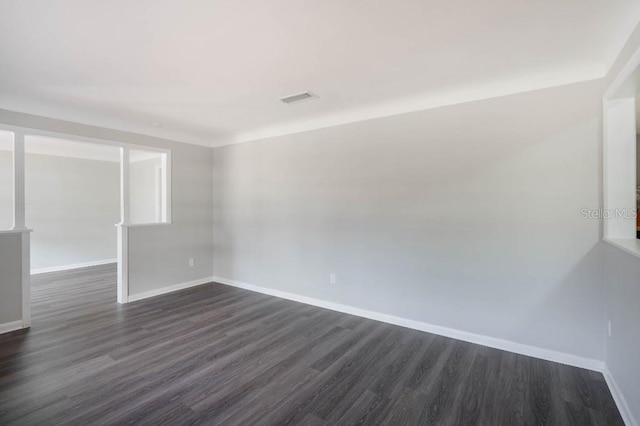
column 219, row 355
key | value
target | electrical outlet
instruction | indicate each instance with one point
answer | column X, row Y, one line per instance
column 609, row 327
column 332, row 278
column 192, row 262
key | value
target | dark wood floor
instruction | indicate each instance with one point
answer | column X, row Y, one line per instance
column 219, row 355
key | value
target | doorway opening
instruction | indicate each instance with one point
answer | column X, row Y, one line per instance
column 72, row 204
column 70, row 191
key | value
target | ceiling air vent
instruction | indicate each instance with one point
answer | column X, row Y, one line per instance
column 298, row 97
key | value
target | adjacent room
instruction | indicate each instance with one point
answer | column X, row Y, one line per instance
column 319, row 212
column 72, row 202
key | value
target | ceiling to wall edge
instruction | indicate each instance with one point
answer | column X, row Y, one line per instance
column 380, row 110
column 389, row 109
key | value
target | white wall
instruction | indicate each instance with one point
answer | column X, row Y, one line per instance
column 465, row 216
column 72, row 204
column 158, row 254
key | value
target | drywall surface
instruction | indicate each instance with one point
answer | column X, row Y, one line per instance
column 72, row 205
column 466, row 216
column 158, row 254
column 10, row 277
column 622, row 277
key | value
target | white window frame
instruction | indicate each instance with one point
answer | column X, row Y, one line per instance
column 619, row 158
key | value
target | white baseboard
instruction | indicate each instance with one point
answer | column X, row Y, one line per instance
column 619, row 398
column 168, row 289
column 11, row 326
column 492, row 342
column 72, row 266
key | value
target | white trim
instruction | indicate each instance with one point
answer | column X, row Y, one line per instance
column 15, row 231
column 169, row 289
column 123, row 264
column 123, row 232
column 492, row 342
column 19, row 224
column 8, row 327
column 619, row 398
column 72, row 266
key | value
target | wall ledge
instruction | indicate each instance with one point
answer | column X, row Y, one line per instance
column 630, row 245
column 15, row 231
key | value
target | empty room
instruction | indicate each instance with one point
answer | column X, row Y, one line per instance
column 319, row 212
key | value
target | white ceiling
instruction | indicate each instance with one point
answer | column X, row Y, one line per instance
column 212, row 71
